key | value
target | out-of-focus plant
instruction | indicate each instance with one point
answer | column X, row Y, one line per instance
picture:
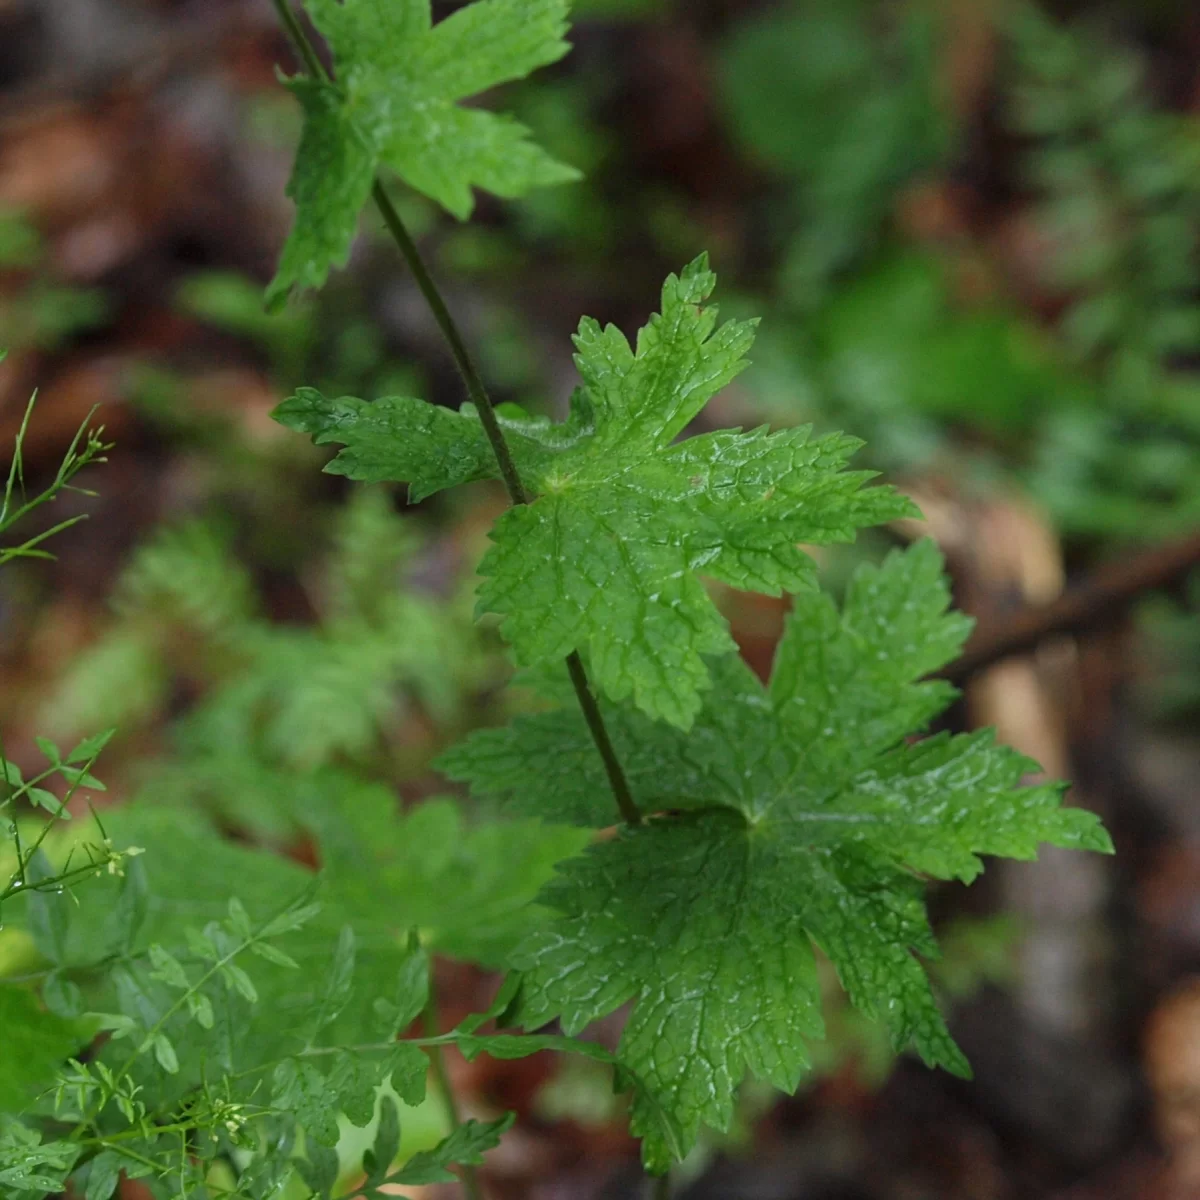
column 1170, row 682
column 1118, row 187
column 35, row 806
column 838, row 99
column 37, row 311
column 1098, row 416
column 280, row 699
column 893, row 355
column 335, row 341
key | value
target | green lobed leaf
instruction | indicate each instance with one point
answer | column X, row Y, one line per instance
column 661, row 1125
column 467, row 890
column 29, row 1165
column 299, row 1087
column 353, row 1080
column 401, row 438
column 410, row 994
column 466, row 1145
column 319, row 1169
column 793, row 815
column 346, row 1082
column 104, row 1172
column 339, row 982
column 33, row 1043
column 407, row 1070
column 126, row 916
column 377, row 1160
column 607, row 557
column 49, row 909
column 395, row 103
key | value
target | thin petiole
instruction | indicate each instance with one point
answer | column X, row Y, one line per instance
column 478, row 394
column 470, row 1177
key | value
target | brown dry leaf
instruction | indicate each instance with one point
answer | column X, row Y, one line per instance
column 60, row 166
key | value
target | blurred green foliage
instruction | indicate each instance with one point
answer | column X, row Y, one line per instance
column 1096, row 414
column 891, row 355
column 40, row 312
column 1118, row 209
column 1170, row 686
column 838, row 98
column 1118, row 187
column 271, row 702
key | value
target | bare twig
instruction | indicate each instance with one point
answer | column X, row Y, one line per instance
column 1095, row 602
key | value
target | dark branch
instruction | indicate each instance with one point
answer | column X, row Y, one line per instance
column 1094, row 603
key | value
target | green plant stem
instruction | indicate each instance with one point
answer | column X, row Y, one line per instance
column 470, row 1177
column 662, row 1187
column 512, row 481
column 458, row 349
column 299, row 39
column 487, row 417
column 630, row 812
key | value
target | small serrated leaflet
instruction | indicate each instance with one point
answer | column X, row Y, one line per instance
column 274, row 955
column 238, row 920
column 467, row 1144
column 164, row 1052
column 319, row 1168
column 87, row 750
column 240, row 982
column 339, row 980
column 298, row 1086
column 408, row 1071
column 167, row 967
column 377, row 1160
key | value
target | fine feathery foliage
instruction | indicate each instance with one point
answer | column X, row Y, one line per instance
column 24, row 869
column 606, row 558
column 16, row 505
column 395, row 103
